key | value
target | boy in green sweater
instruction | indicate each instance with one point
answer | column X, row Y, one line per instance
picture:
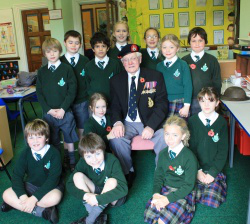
column 73, row 42
column 98, row 179
column 209, row 142
column 173, row 198
column 100, row 69
column 56, row 91
column 36, row 186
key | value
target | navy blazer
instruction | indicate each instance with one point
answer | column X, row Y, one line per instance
column 152, row 100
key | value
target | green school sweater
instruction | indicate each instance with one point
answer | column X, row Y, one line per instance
column 79, row 70
column 178, row 80
column 112, row 169
column 178, row 173
column 206, row 73
column 56, row 89
column 113, row 53
column 211, row 151
column 98, row 79
column 44, row 173
column 91, row 125
column 147, row 61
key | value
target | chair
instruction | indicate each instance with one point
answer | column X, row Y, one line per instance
column 3, row 166
column 31, row 99
column 141, row 144
column 12, row 115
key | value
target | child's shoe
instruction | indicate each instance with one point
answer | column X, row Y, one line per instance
column 51, row 214
column 5, row 207
column 102, row 219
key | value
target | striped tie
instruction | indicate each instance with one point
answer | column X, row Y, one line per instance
column 98, row 171
column 52, row 68
column 168, row 63
column 208, row 122
column 38, row 156
column 172, row 154
column 103, row 123
column 197, row 57
column 72, row 61
column 100, row 64
column 153, row 57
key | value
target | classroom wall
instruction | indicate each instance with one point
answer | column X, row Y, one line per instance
column 244, row 19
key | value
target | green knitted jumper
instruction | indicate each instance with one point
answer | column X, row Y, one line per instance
column 178, row 80
column 178, row 173
column 113, row 53
column 56, row 89
column 209, row 144
column 112, row 169
column 205, row 73
column 98, row 79
column 147, row 61
column 44, row 173
column 79, row 70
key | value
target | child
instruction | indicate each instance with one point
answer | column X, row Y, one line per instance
column 177, row 77
column 99, row 123
column 209, row 142
column 36, row 186
column 205, row 69
column 98, row 179
column 119, row 39
column 73, row 42
column 173, row 200
column 150, row 55
column 56, row 90
column 102, row 68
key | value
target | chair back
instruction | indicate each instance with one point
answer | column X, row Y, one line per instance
column 2, row 103
column 12, row 115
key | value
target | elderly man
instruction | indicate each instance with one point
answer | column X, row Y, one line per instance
column 138, row 107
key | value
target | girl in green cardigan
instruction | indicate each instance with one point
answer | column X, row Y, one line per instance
column 173, row 198
column 209, row 142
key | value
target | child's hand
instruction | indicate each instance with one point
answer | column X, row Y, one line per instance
column 90, row 198
column 28, row 204
column 184, row 111
column 60, row 113
column 160, row 201
column 110, row 135
column 201, row 176
column 53, row 112
column 208, row 179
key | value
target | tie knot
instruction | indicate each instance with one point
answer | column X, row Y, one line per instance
column 103, row 123
column 197, row 57
column 153, row 55
column 72, row 58
column 172, row 154
column 133, row 78
column 168, row 63
column 52, row 68
column 98, row 171
column 100, row 64
column 122, row 47
column 208, row 122
column 38, row 156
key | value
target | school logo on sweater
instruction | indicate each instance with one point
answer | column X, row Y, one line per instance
column 61, row 82
column 47, row 166
column 112, row 74
column 177, row 73
column 82, row 73
column 106, row 178
column 179, row 171
column 204, row 67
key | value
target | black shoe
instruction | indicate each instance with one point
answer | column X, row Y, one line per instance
column 72, row 167
column 130, row 178
column 51, row 214
column 5, row 207
column 101, row 219
column 80, row 221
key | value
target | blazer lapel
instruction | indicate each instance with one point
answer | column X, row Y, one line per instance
column 140, row 86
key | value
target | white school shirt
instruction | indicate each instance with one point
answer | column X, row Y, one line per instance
column 42, row 151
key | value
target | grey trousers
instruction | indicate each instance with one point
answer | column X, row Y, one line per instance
column 122, row 146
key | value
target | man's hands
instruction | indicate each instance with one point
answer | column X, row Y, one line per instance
column 147, row 133
column 118, row 130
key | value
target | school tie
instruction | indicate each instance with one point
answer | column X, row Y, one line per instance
column 208, row 122
column 168, row 63
column 122, row 47
column 38, row 156
column 103, row 123
column 153, row 57
column 97, row 171
column 197, row 57
column 132, row 101
column 172, row 154
column 52, row 68
column 100, row 64
column 72, row 61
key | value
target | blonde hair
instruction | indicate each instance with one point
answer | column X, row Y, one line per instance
column 50, row 44
column 172, row 38
column 94, row 98
column 37, row 127
column 180, row 122
column 113, row 38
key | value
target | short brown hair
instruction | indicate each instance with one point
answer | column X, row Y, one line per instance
column 72, row 33
column 180, row 122
column 211, row 92
column 172, row 38
column 37, row 127
column 50, row 44
column 90, row 143
column 197, row 31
